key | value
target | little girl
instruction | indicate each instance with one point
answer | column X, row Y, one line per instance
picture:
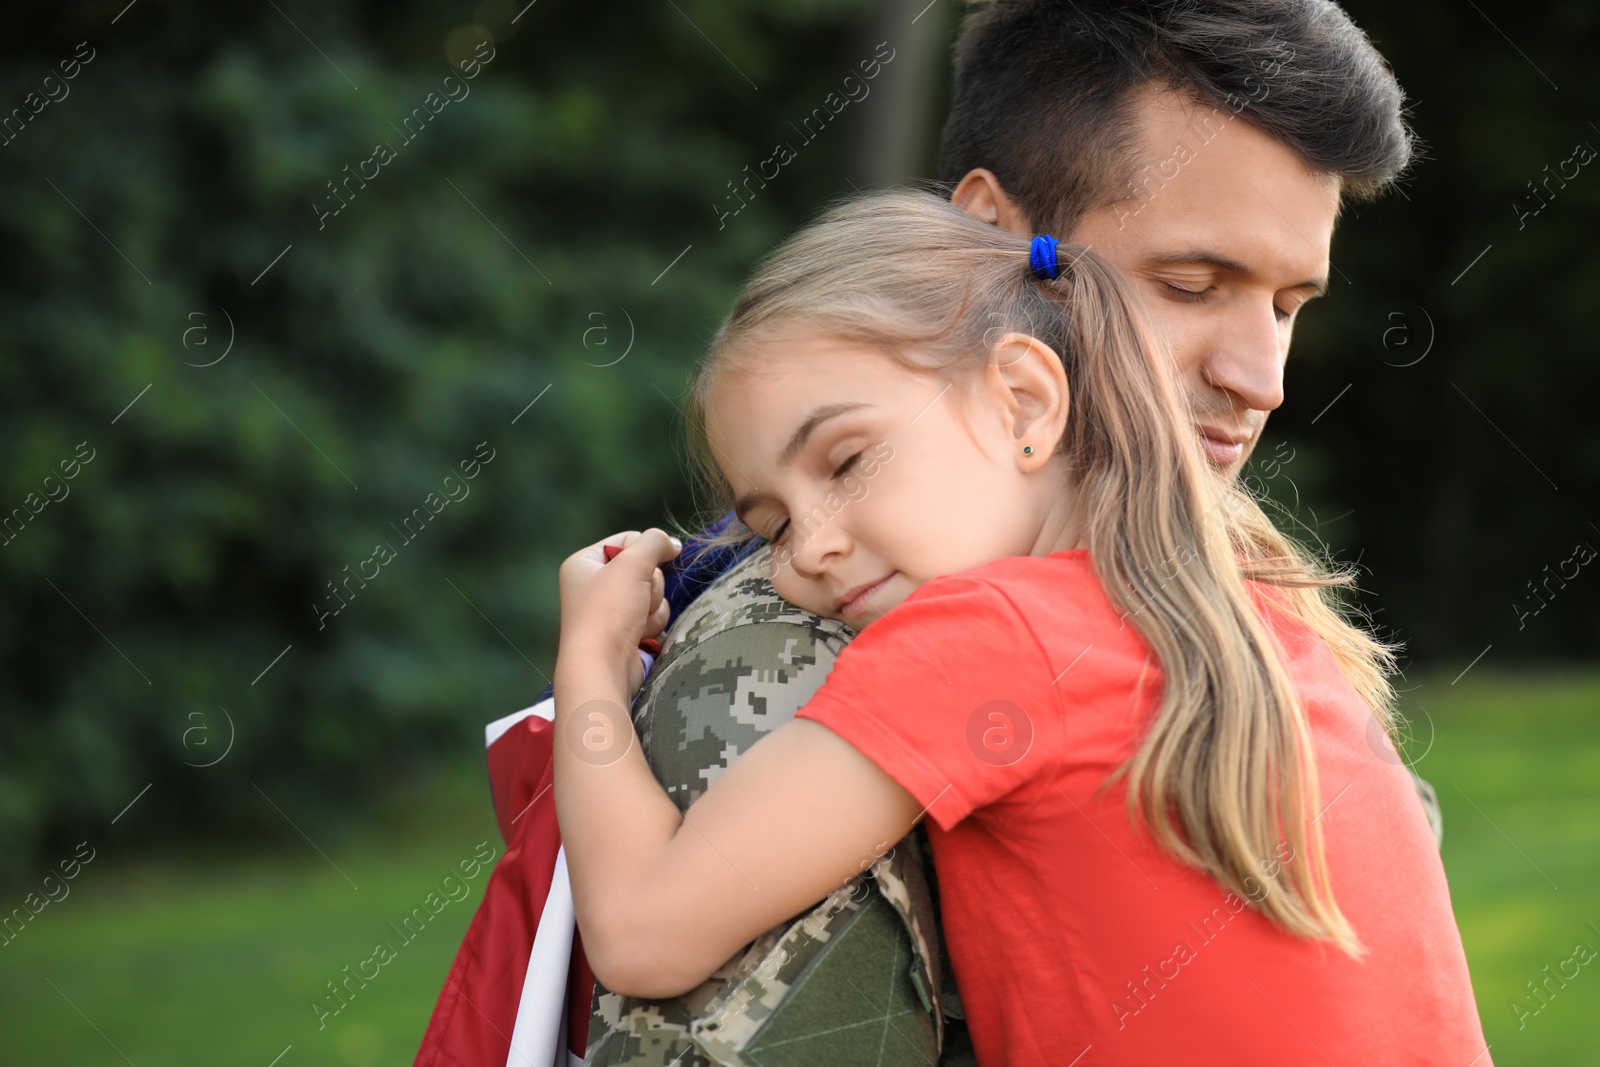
column 1126, row 703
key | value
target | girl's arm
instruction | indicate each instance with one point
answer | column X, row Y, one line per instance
column 664, row 899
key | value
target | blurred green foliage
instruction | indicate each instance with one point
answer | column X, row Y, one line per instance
column 513, row 250
column 563, row 214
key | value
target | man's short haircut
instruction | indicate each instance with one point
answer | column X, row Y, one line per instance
column 1047, row 93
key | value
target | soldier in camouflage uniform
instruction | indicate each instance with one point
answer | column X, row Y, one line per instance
column 859, row 978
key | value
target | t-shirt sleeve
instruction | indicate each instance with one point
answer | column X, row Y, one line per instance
column 949, row 693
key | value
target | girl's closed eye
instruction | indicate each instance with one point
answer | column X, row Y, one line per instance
column 778, row 532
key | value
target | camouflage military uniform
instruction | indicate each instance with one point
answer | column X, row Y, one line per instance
column 857, row 979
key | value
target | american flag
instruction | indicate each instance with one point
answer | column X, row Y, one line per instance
column 519, row 991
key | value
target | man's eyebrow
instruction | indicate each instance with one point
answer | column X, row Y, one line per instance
column 1318, row 286
column 797, row 441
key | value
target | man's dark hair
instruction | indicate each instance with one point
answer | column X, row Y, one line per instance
column 1047, row 93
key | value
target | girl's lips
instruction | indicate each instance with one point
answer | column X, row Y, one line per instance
column 854, row 600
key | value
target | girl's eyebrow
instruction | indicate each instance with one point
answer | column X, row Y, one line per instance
column 797, row 441
column 803, row 432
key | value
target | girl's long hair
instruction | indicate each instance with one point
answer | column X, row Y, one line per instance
column 1225, row 778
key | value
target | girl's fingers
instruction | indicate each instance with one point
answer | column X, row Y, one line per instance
column 655, row 545
column 625, row 556
column 623, row 539
column 598, row 552
column 659, row 619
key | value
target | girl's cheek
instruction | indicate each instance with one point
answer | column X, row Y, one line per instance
column 786, row 584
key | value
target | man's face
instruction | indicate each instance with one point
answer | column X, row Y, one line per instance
column 1226, row 237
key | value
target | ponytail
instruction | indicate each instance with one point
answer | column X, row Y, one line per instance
column 1225, row 777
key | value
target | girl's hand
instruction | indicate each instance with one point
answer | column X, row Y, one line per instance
column 608, row 608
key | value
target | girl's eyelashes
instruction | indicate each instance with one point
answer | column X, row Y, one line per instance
column 783, row 527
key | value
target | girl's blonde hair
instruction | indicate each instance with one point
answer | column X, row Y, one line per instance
column 1225, row 778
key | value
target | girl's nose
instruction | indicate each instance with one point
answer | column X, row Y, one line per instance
column 816, row 538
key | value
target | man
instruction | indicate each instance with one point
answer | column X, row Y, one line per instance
column 1213, row 178
column 1205, row 149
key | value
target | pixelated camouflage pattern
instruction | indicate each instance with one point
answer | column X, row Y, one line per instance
column 848, row 984
column 855, row 980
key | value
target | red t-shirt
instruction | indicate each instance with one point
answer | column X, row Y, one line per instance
column 1002, row 698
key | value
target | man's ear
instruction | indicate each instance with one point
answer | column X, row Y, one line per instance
column 1027, row 377
column 981, row 195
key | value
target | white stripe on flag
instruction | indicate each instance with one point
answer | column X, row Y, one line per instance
column 539, row 1037
column 545, row 709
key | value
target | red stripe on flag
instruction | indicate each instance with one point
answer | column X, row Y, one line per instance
column 476, row 1012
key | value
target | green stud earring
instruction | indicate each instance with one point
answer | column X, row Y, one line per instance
column 1027, row 450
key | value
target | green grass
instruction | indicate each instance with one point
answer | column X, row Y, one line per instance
column 206, row 960
column 1516, row 760
column 209, row 960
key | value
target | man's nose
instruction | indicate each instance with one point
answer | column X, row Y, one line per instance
column 1247, row 360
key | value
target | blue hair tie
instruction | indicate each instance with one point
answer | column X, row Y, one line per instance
column 1042, row 257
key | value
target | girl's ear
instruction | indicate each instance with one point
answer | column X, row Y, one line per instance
column 1026, row 376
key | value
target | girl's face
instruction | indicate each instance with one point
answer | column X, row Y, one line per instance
column 870, row 477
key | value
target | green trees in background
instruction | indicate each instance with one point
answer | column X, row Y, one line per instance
column 335, row 546
column 539, row 233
